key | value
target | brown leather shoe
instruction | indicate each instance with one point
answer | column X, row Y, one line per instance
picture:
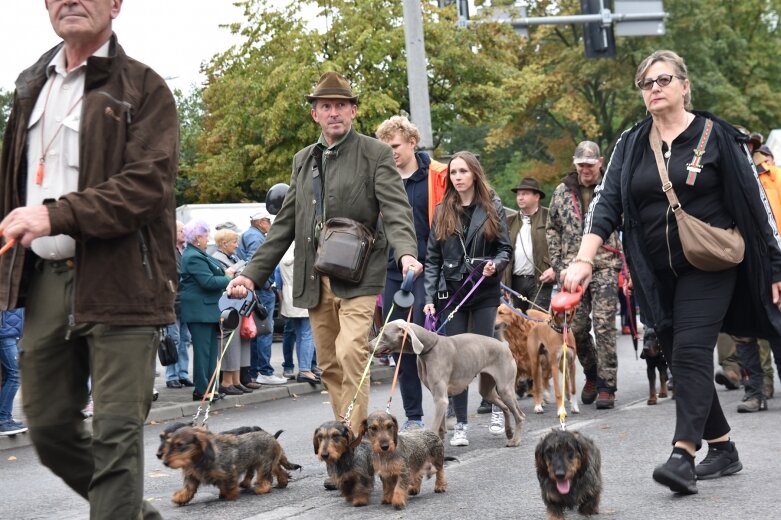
column 728, row 378
column 589, row 392
column 252, row 385
column 605, row 400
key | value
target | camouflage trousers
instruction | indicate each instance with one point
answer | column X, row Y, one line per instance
column 598, row 304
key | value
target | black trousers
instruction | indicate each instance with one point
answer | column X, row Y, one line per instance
column 530, row 287
column 409, row 380
column 477, row 321
column 699, row 302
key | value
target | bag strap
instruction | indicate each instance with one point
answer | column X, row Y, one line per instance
column 694, row 167
column 667, row 187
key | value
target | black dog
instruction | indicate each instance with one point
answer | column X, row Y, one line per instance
column 569, row 470
column 654, row 361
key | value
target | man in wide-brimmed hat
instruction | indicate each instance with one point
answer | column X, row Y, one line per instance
column 357, row 179
column 531, row 275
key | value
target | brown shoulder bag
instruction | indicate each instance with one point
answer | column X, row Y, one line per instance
column 706, row 247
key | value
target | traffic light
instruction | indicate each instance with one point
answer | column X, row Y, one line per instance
column 598, row 38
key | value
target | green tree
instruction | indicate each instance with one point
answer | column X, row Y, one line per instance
column 256, row 114
column 6, row 101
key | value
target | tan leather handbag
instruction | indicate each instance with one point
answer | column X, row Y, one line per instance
column 706, row 247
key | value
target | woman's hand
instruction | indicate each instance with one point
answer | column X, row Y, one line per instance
column 489, row 269
column 577, row 274
column 429, row 309
column 776, row 290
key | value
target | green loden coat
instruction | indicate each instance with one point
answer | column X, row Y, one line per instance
column 203, row 282
column 360, row 182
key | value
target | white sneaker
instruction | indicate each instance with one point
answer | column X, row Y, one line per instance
column 497, row 421
column 271, row 380
column 459, row 435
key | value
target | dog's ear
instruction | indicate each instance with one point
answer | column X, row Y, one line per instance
column 582, row 449
column 417, row 346
column 355, row 441
column 316, row 440
column 207, row 447
column 395, row 430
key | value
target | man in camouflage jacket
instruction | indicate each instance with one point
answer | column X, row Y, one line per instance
column 568, row 207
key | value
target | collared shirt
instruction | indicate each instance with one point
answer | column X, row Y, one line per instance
column 54, row 131
column 524, row 258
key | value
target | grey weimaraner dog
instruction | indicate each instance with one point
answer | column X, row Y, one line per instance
column 447, row 365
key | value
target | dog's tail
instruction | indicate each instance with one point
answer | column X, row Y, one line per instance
column 279, row 432
column 287, row 464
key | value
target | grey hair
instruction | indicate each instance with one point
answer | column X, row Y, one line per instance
column 195, row 228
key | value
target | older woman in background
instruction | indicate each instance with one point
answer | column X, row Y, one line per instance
column 202, row 282
column 237, row 354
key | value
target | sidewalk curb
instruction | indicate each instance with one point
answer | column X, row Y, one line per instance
column 167, row 410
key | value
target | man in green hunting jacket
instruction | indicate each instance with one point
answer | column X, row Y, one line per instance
column 359, row 181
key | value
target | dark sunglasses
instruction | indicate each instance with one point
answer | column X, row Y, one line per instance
column 662, row 80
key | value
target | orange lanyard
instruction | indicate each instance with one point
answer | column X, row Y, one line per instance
column 45, row 149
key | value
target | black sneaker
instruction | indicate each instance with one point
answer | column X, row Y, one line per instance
column 589, row 392
column 677, row 473
column 719, row 463
column 485, row 407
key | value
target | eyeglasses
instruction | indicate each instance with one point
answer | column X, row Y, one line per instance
column 662, row 80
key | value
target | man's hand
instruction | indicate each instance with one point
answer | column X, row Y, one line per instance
column 239, row 287
column 776, row 291
column 548, row 276
column 26, row 224
column 410, row 262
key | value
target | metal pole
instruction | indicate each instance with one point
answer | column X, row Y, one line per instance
column 417, row 76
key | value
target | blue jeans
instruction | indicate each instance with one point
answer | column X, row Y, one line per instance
column 260, row 348
column 181, row 335
column 9, row 362
column 305, row 343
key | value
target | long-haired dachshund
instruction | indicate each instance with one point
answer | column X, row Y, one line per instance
column 219, row 459
column 348, row 461
column 569, row 470
column 538, row 347
column 402, row 459
column 654, row 361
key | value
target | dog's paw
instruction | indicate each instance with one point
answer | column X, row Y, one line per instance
column 538, row 408
column 574, row 406
column 561, row 411
column 182, row 497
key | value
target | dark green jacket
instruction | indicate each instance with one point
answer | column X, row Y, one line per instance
column 541, row 257
column 203, row 282
column 360, row 181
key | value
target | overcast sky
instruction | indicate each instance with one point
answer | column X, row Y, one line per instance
column 172, row 36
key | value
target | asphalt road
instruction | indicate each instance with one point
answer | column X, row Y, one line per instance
column 490, row 481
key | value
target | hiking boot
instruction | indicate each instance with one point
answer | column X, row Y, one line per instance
column 677, row 473
column 728, row 378
column 497, row 421
column 589, row 392
column 459, row 435
column 753, row 404
column 411, row 425
column 485, row 407
column 719, row 462
column 605, row 400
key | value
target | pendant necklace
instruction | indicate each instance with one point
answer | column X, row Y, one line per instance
column 45, row 149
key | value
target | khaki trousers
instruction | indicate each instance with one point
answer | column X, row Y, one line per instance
column 56, row 361
column 341, row 330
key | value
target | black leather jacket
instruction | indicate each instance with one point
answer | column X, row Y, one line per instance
column 445, row 258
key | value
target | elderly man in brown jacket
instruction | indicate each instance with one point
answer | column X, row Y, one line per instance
column 87, row 192
column 359, row 181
